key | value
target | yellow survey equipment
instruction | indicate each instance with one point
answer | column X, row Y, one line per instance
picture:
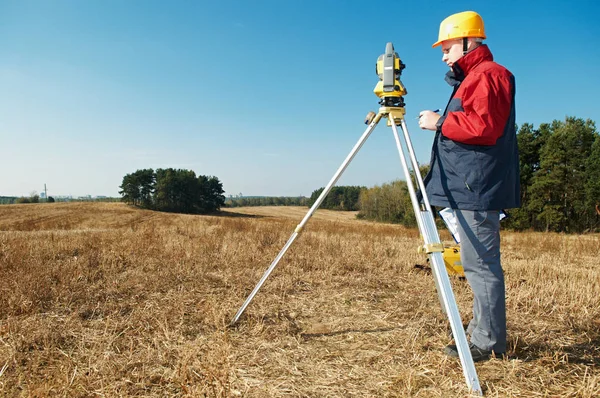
column 451, row 256
column 389, row 87
column 452, row 262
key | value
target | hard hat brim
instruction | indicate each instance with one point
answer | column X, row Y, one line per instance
column 437, row 43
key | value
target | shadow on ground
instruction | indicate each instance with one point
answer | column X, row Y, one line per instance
column 235, row 215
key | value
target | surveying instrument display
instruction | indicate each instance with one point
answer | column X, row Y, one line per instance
column 390, row 90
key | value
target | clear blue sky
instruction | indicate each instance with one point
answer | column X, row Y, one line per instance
column 269, row 96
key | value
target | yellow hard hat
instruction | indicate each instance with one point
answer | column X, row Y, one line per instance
column 463, row 24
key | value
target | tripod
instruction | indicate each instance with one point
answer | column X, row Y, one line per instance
column 433, row 247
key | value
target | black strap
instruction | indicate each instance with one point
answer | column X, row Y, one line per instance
column 465, row 45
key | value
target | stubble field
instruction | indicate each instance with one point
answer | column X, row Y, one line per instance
column 104, row 300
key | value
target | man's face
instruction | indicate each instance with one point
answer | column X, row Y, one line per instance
column 452, row 51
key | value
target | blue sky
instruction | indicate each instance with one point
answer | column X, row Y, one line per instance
column 269, row 96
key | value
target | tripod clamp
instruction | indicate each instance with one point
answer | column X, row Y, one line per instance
column 431, row 248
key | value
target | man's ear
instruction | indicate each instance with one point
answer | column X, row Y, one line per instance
column 473, row 43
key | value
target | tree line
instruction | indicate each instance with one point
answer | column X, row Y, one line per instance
column 35, row 198
column 266, row 201
column 173, row 190
column 339, row 198
column 560, row 177
column 8, row 200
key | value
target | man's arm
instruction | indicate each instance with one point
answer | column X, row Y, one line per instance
column 486, row 106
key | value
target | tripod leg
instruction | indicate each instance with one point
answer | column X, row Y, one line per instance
column 434, row 250
column 421, row 222
column 413, row 160
column 308, row 215
column 426, row 233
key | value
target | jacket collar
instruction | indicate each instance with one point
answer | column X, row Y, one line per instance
column 474, row 58
column 463, row 66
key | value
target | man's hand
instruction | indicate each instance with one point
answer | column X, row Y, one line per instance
column 428, row 119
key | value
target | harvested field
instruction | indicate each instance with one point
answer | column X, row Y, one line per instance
column 107, row 300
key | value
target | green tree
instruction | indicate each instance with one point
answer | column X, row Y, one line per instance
column 130, row 189
column 146, row 180
column 592, row 185
column 558, row 197
column 530, row 142
column 176, row 190
column 211, row 194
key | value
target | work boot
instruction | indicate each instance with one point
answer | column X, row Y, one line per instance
column 477, row 353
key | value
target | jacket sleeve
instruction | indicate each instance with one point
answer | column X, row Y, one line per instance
column 486, row 103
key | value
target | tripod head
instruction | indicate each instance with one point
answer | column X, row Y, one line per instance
column 389, row 88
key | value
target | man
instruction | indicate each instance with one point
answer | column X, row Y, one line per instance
column 475, row 170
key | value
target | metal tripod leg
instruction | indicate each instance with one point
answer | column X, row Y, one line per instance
column 433, row 247
column 308, row 215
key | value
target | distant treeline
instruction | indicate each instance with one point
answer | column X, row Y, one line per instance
column 173, row 190
column 339, row 198
column 266, row 201
column 83, row 199
column 7, row 200
column 35, row 198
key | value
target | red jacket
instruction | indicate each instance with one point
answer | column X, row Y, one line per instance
column 486, row 98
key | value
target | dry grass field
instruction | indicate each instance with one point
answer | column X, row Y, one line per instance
column 104, row 300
